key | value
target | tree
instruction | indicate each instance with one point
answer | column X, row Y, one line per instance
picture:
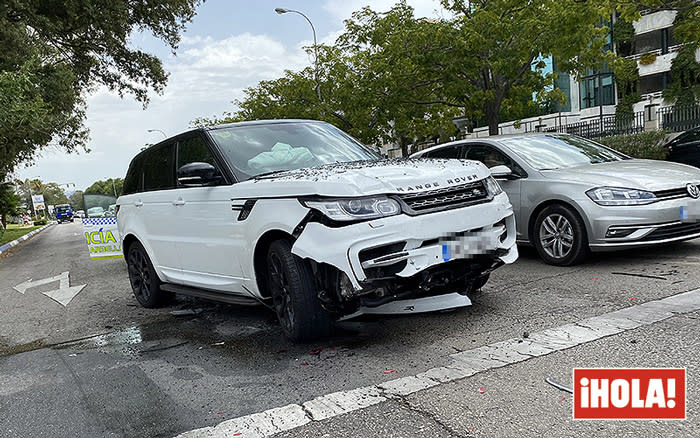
column 687, row 25
column 493, row 51
column 76, row 200
column 10, row 202
column 106, row 187
column 52, row 53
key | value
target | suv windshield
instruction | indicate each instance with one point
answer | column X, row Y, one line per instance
column 254, row 150
column 62, row 208
column 556, row 151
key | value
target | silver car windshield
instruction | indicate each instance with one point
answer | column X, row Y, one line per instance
column 255, row 150
column 557, row 151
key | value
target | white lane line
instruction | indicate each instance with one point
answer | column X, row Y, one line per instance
column 462, row 365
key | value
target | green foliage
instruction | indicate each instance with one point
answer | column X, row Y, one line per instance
column 53, row 193
column 9, row 200
column 106, row 187
column 647, row 145
column 647, row 58
column 684, row 87
column 40, row 222
column 687, row 23
column 13, row 232
column 53, row 52
column 76, row 200
column 393, row 78
column 623, row 37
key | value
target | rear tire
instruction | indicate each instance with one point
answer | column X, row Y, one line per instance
column 143, row 277
column 559, row 236
column 292, row 286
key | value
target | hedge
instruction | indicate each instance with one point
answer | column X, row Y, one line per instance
column 40, row 222
column 642, row 145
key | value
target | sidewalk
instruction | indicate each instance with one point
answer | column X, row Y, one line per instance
column 516, row 401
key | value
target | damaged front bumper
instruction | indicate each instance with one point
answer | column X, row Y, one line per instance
column 406, row 256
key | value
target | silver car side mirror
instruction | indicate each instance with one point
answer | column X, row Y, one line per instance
column 501, row 171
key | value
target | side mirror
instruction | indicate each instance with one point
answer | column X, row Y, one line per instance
column 501, row 171
column 197, row 174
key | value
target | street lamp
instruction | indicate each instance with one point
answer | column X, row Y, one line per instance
column 158, row 130
column 318, row 84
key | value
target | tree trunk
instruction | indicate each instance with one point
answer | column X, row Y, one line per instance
column 404, row 146
column 3, row 219
column 491, row 113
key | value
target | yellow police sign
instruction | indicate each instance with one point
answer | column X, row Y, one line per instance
column 102, row 237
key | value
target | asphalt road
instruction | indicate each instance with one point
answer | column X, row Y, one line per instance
column 102, row 366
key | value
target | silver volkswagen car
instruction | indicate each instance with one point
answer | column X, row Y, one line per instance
column 571, row 195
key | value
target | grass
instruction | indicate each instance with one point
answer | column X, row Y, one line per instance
column 15, row 231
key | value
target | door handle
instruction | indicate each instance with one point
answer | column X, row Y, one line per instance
column 138, row 204
column 179, row 201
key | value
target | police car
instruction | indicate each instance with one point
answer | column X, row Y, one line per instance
column 301, row 217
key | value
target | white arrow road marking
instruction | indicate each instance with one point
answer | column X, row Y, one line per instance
column 63, row 295
column 22, row 287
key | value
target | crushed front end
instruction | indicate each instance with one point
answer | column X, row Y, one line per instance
column 445, row 241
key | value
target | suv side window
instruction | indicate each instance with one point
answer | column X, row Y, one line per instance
column 492, row 157
column 158, row 169
column 448, row 152
column 133, row 182
column 194, row 150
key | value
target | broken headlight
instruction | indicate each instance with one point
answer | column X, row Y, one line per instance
column 353, row 209
column 492, row 186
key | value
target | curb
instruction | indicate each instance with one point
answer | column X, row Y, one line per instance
column 29, row 235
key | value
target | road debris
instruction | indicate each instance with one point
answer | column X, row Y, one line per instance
column 163, row 347
column 218, row 343
column 558, row 385
column 316, row 351
column 482, row 390
column 186, row 312
column 632, row 274
column 389, row 371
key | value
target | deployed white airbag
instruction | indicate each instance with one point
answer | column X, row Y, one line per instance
column 281, row 157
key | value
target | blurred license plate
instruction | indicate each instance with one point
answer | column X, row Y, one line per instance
column 690, row 213
column 467, row 246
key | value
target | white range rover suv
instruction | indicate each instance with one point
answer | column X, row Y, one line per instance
column 301, row 217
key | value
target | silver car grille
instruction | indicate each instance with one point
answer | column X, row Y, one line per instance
column 680, row 192
column 445, row 198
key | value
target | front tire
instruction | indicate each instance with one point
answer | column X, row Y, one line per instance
column 143, row 277
column 559, row 236
column 292, row 285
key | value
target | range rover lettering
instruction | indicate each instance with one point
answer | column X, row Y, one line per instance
column 301, row 217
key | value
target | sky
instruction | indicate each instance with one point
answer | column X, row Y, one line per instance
column 229, row 46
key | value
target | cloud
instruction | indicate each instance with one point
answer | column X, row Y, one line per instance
column 205, row 77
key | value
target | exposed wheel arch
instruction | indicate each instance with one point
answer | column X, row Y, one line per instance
column 545, row 204
column 126, row 243
column 260, row 256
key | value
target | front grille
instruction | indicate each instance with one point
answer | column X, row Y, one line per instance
column 445, row 198
column 672, row 231
column 680, row 192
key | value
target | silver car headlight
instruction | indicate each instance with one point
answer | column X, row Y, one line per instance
column 356, row 208
column 620, row 196
column 492, row 186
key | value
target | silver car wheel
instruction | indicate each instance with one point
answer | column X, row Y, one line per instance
column 556, row 236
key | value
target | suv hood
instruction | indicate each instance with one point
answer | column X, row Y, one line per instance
column 650, row 175
column 362, row 178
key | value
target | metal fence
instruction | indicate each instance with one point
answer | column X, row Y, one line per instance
column 604, row 126
column 679, row 118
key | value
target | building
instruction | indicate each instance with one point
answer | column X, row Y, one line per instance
column 590, row 105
